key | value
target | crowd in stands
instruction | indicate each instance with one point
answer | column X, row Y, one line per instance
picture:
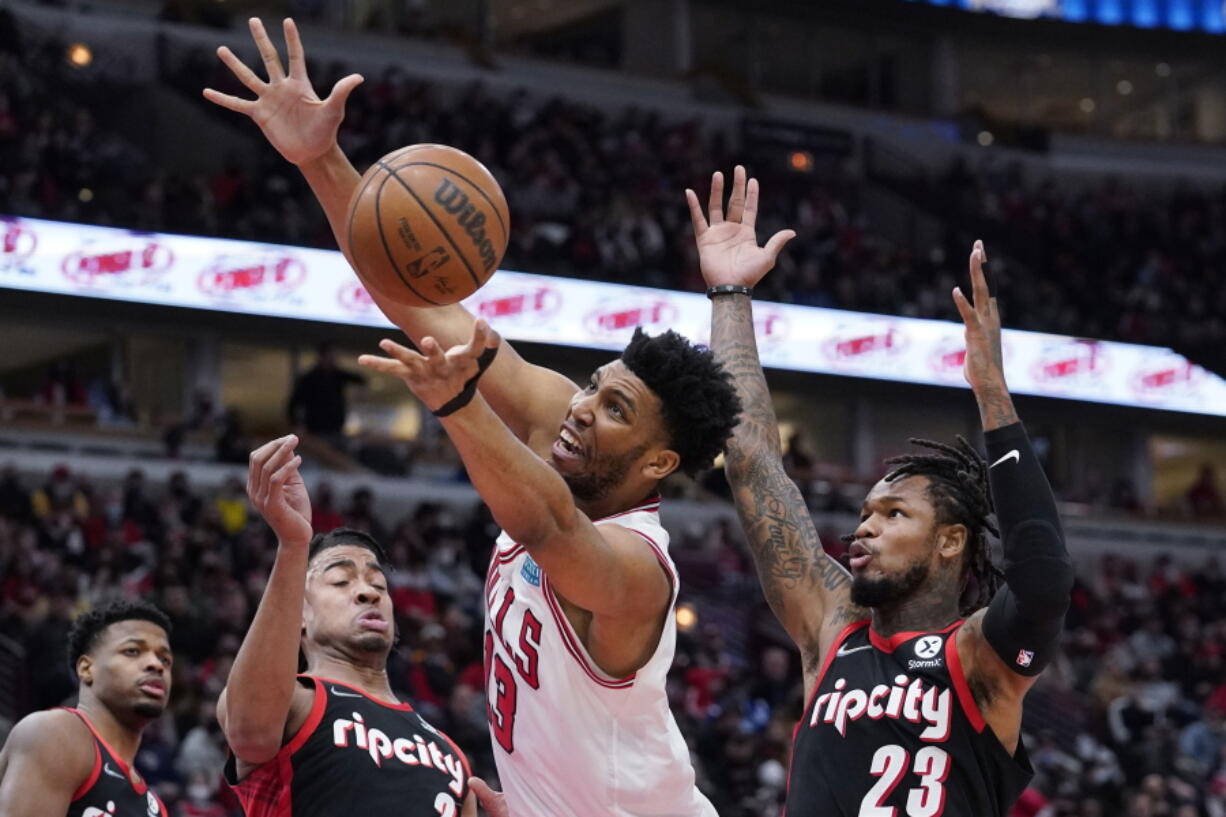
column 598, row 193
column 1129, row 720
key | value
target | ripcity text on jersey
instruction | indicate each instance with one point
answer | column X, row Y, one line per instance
column 892, row 729
column 569, row 740
column 112, row 788
column 357, row 755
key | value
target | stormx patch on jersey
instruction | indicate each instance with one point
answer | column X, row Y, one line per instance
column 531, row 572
column 928, row 649
column 1024, row 657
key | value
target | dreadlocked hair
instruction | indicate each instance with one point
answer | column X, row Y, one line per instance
column 958, row 488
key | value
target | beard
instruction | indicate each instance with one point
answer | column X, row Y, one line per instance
column 607, row 473
column 887, row 590
column 149, row 709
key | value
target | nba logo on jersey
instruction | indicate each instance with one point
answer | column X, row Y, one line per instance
column 1024, row 657
column 531, row 572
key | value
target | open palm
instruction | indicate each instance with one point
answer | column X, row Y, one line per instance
column 728, row 250
column 299, row 124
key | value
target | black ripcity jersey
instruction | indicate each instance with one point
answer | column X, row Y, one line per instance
column 112, row 789
column 891, row 730
column 357, row 755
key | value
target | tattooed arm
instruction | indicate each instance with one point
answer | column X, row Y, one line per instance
column 808, row 591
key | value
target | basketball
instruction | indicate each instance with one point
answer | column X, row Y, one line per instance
column 427, row 225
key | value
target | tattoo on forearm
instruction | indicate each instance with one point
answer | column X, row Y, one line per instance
column 996, row 408
column 786, row 548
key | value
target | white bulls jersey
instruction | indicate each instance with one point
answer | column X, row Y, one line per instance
column 571, row 741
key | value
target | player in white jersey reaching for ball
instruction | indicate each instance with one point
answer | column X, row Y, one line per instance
column 580, row 592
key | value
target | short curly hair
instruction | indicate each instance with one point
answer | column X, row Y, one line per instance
column 83, row 635
column 698, row 398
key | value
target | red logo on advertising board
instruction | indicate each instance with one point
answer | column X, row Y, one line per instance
column 135, row 262
column 17, row 243
column 948, row 358
column 1070, row 362
column 269, row 276
column 1177, row 377
column 770, row 326
column 846, row 347
column 614, row 320
column 354, row 298
column 530, row 305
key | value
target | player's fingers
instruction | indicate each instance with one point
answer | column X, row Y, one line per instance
column 480, row 340
column 696, row 217
column 715, row 204
column 777, row 242
column 343, row 88
column 749, row 215
column 965, row 309
column 432, row 352
column 268, row 51
column 736, row 202
column 492, row 801
column 386, row 366
column 243, row 106
column 979, row 282
column 399, row 352
column 240, row 70
column 283, row 454
column 994, row 312
column 294, row 52
column 278, row 478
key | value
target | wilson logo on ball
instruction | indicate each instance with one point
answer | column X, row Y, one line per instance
column 456, row 202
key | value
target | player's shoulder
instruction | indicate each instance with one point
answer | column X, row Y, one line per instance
column 54, row 736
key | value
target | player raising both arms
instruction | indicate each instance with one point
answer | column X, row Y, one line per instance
column 579, row 598
column 915, row 688
column 78, row 762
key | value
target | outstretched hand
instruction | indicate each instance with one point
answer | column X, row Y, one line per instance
column 984, row 367
column 434, row 375
column 277, row 491
column 728, row 248
column 299, row 124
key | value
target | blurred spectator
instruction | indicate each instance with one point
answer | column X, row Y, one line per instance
column 1204, row 499
column 318, row 403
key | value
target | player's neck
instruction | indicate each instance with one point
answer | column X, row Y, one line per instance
column 368, row 678
column 123, row 738
column 926, row 611
column 618, row 501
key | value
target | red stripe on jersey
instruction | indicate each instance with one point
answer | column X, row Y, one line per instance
column 403, row 707
column 891, row 643
column 267, row 791
column 659, row 551
column 468, row 771
column 93, row 775
column 831, row 651
column 510, row 555
column 965, row 698
column 138, row 785
column 571, row 642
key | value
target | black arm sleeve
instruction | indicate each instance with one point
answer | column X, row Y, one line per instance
column 1024, row 620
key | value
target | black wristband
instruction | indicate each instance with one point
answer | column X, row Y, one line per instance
column 470, row 388
column 729, row 289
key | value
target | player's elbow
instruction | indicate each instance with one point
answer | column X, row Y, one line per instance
column 542, row 531
column 252, row 743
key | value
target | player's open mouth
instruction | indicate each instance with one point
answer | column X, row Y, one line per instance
column 859, row 555
column 373, row 621
column 567, row 445
column 153, row 687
